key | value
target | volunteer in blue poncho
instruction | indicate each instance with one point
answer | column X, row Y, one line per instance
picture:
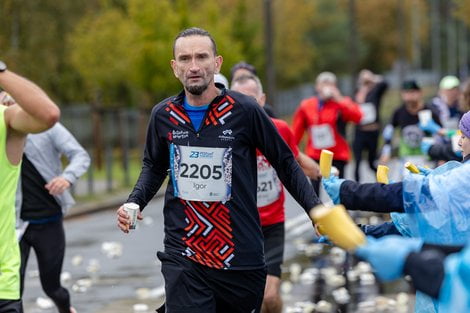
column 437, row 206
column 436, row 200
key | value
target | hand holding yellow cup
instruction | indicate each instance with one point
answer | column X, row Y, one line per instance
column 336, row 223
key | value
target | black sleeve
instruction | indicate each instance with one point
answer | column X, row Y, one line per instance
column 268, row 140
column 426, row 268
column 378, row 231
column 442, row 152
column 445, row 249
column 435, row 116
column 395, row 121
column 155, row 166
column 376, row 94
column 375, row 197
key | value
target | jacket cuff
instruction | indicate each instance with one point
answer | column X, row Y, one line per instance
column 70, row 178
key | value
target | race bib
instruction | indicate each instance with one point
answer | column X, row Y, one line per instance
column 200, row 173
column 269, row 186
column 322, row 136
column 369, row 113
column 455, row 143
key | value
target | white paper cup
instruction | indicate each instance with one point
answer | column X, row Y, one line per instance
column 429, row 140
column 327, row 92
column 455, row 142
column 424, row 116
column 132, row 209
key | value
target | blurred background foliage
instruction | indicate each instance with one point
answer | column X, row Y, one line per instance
column 115, row 53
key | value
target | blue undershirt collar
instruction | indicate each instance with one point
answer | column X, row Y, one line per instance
column 196, row 113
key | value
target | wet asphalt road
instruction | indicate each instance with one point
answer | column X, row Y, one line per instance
column 114, row 281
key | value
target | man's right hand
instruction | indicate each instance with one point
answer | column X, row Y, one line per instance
column 123, row 219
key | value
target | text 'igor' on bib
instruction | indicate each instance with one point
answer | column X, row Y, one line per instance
column 322, row 136
column 201, row 173
column 269, row 187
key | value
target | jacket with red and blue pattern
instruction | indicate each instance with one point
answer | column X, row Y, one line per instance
column 222, row 235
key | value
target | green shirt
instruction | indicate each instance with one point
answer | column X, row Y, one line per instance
column 405, row 150
column 9, row 249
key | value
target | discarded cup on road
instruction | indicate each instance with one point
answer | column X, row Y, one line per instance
column 286, row 287
column 44, row 303
column 93, row 266
column 111, row 249
column 140, row 307
column 132, row 209
column 77, row 260
column 65, row 278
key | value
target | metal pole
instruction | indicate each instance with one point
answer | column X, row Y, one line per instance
column 108, row 152
column 269, row 48
column 463, row 51
column 436, row 37
column 451, row 30
column 125, row 146
column 15, row 29
column 109, row 166
column 90, row 178
column 401, row 44
column 416, row 39
column 353, row 59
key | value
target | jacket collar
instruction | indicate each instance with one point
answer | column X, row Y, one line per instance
column 179, row 98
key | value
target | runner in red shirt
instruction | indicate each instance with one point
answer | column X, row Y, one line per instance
column 324, row 117
column 270, row 197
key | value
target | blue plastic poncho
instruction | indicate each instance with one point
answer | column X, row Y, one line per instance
column 455, row 290
column 437, row 210
column 402, row 223
column 438, row 205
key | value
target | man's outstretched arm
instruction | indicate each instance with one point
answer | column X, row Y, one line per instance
column 35, row 111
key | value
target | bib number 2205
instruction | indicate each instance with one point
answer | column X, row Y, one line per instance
column 204, row 171
column 201, row 173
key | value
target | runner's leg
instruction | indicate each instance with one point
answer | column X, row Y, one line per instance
column 49, row 246
column 10, row 306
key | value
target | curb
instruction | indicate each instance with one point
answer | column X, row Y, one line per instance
column 112, row 202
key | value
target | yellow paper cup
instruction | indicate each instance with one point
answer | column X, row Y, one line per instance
column 336, row 223
column 326, row 160
column 382, row 174
column 411, row 167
